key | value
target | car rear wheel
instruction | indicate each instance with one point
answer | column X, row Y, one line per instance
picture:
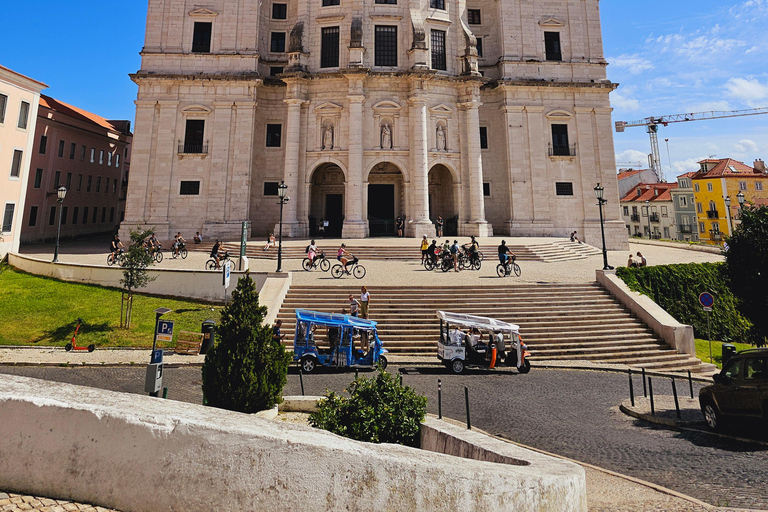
column 711, row 415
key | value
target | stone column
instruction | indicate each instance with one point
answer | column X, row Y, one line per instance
column 355, row 225
column 419, row 171
column 518, row 173
column 539, row 135
column 162, row 168
column 477, row 225
column 291, row 226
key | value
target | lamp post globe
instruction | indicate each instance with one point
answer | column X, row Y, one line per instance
column 282, row 189
column 599, row 194
column 740, row 198
column 61, row 193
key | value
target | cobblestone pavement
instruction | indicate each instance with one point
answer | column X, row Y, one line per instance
column 17, row 503
column 571, row 413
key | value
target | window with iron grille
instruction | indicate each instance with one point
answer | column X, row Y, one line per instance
column 483, row 137
column 38, row 178
column 270, row 188
column 279, row 11
column 8, row 216
column 564, row 188
column 274, row 135
column 560, row 140
column 385, row 46
column 32, row 216
column 328, row 3
column 277, row 44
column 16, row 163
column 23, row 115
column 473, row 16
column 201, row 37
column 189, row 188
column 329, row 47
column 193, row 136
column 552, row 46
column 437, row 4
column 3, row 105
column 43, row 144
column 437, row 38
column 479, row 46
column 393, row 2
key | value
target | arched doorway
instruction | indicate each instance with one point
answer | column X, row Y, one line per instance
column 386, row 199
column 326, row 202
column 442, row 199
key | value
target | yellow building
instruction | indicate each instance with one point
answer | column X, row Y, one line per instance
column 716, row 189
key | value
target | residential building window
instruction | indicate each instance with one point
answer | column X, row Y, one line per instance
column 742, row 185
column 88, row 184
column 274, row 132
column 639, row 192
column 43, row 144
column 552, row 46
column 483, row 137
column 329, row 47
column 112, row 214
column 82, row 153
column 564, row 188
column 52, row 216
column 93, row 153
column 385, row 45
column 109, row 159
column 79, row 182
column 437, row 4
column 275, row 70
column 95, row 214
column 75, row 214
column 437, row 38
column 106, row 185
column 328, row 3
column 101, row 157
column 23, row 115
column 103, row 214
column 634, row 210
column 201, row 37
column 193, row 137
column 664, row 211
column 560, row 145
column 8, row 217
column 189, row 188
column 277, row 44
column 64, row 212
column 716, row 227
column 696, row 187
column 57, row 179
column 393, row 2
column 68, row 185
column 270, row 188
column 72, row 150
column 98, row 184
column 18, row 156
column 38, row 178
column 61, row 149
column 486, row 189
column 709, row 187
column 479, row 46
column 473, row 16
column 32, row 216
column 85, row 215
column 626, row 210
column 117, row 160
column 279, row 11
column 114, row 186
column 712, row 206
column 758, row 186
column 645, row 211
column 683, row 201
column 699, row 208
column 3, row 105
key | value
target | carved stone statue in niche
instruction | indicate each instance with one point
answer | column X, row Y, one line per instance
column 295, row 43
column 386, row 136
column 356, row 33
column 440, row 137
column 328, row 137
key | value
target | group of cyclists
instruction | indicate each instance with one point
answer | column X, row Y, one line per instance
column 150, row 244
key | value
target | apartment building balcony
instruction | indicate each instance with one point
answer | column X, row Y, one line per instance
column 684, row 228
column 713, row 214
column 562, row 149
column 654, row 217
column 635, row 217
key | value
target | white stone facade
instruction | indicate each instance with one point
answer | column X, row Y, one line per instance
column 361, row 142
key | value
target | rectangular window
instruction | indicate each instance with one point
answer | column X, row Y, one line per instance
column 38, row 178
column 645, row 211
column 564, row 188
column 437, row 38
column 32, row 216
column 696, row 187
column 112, row 214
column 117, row 160
column 114, row 186
column 61, row 149
column 479, row 46
column 270, row 188
column 277, row 44
column 8, row 217
column 43, row 144
column 3, row 105
column 23, row 115
column 82, row 153
column 18, row 156
column 634, row 210
column 85, row 215
column 79, row 182
column 274, row 132
column 189, row 188
column 95, row 214
column 104, row 214
column 483, row 137
column 664, row 211
column 626, row 210
column 275, row 70
column 486, row 189
column 329, row 47
column 57, row 179
column 328, row 3
column 552, row 46
column 709, row 187
column 699, row 208
column 683, row 201
column 385, row 46
column 473, row 16
column 742, row 185
column 758, row 186
column 106, row 185
column 101, row 157
column 201, row 37
column 68, row 185
column 52, row 216
column 88, row 184
column 193, row 136
column 392, row 2
column 64, row 212
column 279, row 11
column 93, row 154
column 75, row 214
column 560, row 145
column 437, row 4
column 98, row 184
column 72, row 150
column 109, row 159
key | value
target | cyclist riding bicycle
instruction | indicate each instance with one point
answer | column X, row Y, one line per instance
column 114, row 247
column 312, row 251
column 471, row 248
column 344, row 256
column 505, row 255
column 215, row 252
column 178, row 240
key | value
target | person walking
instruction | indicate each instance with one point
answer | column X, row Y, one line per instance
column 455, row 255
column 365, row 299
column 400, row 225
column 424, row 249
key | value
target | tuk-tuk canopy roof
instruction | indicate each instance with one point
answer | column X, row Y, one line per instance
column 481, row 322
column 334, row 320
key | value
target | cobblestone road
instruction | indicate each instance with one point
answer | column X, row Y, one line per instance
column 571, row 413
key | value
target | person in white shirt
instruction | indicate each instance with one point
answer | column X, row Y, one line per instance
column 456, row 336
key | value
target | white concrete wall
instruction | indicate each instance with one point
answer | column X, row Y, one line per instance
column 142, row 454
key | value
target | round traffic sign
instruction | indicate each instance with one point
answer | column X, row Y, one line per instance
column 706, row 299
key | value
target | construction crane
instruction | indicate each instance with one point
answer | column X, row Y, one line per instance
column 652, row 127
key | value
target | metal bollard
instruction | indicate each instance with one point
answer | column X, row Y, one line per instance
column 631, row 388
column 690, row 383
column 165, row 392
column 466, row 402
column 645, row 390
column 650, row 391
column 301, row 380
column 439, row 399
column 356, row 374
column 674, row 393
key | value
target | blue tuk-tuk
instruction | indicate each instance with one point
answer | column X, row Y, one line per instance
column 328, row 339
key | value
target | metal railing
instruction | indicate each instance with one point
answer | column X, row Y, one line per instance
column 201, row 47
column 635, row 217
column 193, row 148
column 562, row 149
column 684, row 228
column 713, row 214
column 715, row 235
column 654, row 217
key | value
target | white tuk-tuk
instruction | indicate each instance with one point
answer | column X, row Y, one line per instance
column 478, row 341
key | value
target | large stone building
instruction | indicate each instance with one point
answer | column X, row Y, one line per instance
column 494, row 115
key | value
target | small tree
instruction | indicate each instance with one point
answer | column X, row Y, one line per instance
column 746, row 262
column 247, row 369
column 135, row 262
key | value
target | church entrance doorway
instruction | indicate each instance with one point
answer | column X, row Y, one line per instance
column 442, row 199
column 334, row 214
column 385, row 199
column 326, row 202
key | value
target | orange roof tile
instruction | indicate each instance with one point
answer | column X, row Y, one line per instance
column 77, row 113
column 728, row 167
column 627, row 174
column 688, row 174
column 648, row 192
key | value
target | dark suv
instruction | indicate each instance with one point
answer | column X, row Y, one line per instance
column 740, row 389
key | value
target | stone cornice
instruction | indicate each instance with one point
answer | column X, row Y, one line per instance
column 542, row 83
column 233, row 77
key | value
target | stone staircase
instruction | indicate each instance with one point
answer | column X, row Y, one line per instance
column 557, row 321
column 555, row 251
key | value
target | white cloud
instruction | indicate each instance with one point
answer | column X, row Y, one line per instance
column 631, row 157
column 683, row 166
column 708, row 106
column 746, row 145
column 751, row 91
column 622, row 102
column 635, row 64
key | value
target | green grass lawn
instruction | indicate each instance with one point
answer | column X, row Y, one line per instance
column 37, row 310
column 702, row 350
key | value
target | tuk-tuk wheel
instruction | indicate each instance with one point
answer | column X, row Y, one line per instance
column 525, row 368
column 383, row 362
column 457, row 365
column 308, row 364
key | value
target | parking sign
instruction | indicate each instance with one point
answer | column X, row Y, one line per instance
column 164, row 330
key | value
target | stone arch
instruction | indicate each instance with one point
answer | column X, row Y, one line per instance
column 385, row 197
column 443, row 197
column 324, row 161
column 401, row 166
column 327, row 183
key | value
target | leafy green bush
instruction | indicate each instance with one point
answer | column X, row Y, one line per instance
column 247, row 369
column 676, row 288
column 379, row 410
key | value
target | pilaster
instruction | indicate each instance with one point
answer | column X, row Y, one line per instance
column 355, row 225
column 291, row 226
column 470, row 105
column 419, row 193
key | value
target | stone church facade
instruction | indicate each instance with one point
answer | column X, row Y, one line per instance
column 493, row 114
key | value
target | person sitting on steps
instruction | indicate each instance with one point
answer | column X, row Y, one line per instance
column 270, row 242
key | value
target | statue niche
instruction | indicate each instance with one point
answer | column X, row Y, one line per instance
column 328, row 130
column 386, row 135
column 441, row 137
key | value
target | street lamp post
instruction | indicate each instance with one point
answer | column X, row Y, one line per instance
column 62, row 193
column 599, row 191
column 648, row 213
column 282, row 188
column 728, row 209
column 741, row 200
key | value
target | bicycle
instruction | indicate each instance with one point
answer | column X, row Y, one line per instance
column 156, row 253
column 320, row 261
column 211, row 263
column 470, row 261
column 115, row 258
column 180, row 251
column 357, row 270
column 505, row 269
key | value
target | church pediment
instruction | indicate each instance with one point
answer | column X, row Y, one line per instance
column 551, row 21
column 203, row 12
column 441, row 109
column 386, row 106
column 196, row 110
column 561, row 115
column 328, row 108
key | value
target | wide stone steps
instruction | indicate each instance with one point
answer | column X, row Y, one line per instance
column 557, row 322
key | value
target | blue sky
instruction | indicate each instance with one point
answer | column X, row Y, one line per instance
column 670, row 57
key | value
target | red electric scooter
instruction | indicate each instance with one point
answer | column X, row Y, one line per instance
column 73, row 344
